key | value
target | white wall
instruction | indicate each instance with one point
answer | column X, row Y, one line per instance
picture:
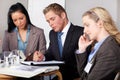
column 118, row 13
column 4, row 6
column 75, row 8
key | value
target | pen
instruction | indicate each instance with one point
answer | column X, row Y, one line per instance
column 39, row 55
column 29, row 57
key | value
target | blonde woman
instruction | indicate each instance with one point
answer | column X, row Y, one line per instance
column 102, row 62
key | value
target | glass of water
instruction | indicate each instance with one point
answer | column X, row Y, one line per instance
column 7, row 55
column 15, row 56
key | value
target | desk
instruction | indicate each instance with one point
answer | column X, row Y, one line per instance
column 55, row 72
column 11, row 72
column 5, row 77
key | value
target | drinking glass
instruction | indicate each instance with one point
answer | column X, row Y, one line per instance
column 7, row 55
column 15, row 56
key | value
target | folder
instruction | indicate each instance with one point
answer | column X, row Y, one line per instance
column 43, row 63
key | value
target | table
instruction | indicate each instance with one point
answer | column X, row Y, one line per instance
column 55, row 72
column 5, row 77
column 14, row 71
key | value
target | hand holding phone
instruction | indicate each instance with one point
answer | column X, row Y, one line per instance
column 87, row 36
column 84, row 42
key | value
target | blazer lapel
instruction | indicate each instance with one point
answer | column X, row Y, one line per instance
column 14, row 41
column 31, row 41
column 99, row 50
column 68, row 38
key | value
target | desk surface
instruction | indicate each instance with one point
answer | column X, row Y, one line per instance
column 29, row 71
column 55, row 72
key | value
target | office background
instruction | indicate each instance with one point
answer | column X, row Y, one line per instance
column 74, row 8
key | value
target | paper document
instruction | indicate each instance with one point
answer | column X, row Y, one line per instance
column 43, row 63
column 22, row 55
column 27, row 71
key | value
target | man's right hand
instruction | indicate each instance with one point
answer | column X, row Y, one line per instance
column 38, row 56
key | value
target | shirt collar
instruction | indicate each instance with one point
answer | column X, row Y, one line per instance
column 65, row 30
column 16, row 29
column 98, row 44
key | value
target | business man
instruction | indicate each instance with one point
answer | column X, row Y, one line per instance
column 57, row 18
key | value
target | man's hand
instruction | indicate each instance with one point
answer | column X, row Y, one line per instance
column 38, row 56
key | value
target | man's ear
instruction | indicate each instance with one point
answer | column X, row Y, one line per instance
column 63, row 15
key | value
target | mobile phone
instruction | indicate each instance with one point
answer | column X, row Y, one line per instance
column 87, row 36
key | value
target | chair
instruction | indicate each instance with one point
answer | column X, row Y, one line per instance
column 117, row 77
column 56, row 72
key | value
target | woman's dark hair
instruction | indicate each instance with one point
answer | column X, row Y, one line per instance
column 14, row 8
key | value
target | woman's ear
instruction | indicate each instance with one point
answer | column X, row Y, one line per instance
column 100, row 23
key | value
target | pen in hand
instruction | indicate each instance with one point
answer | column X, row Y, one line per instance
column 38, row 56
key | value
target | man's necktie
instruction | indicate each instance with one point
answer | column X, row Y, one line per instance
column 60, row 42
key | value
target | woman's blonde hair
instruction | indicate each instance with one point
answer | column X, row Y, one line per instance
column 99, row 13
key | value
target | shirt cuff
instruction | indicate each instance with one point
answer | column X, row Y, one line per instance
column 78, row 52
column 44, row 58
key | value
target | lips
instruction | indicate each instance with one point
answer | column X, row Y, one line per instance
column 53, row 27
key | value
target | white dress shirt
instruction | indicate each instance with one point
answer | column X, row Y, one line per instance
column 65, row 30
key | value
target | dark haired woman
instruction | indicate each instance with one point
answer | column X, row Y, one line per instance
column 22, row 34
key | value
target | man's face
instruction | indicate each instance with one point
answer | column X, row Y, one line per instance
column 55, row 21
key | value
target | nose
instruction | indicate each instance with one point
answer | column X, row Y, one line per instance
column 18, row 22
column 51, row 23
column 84, row 30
